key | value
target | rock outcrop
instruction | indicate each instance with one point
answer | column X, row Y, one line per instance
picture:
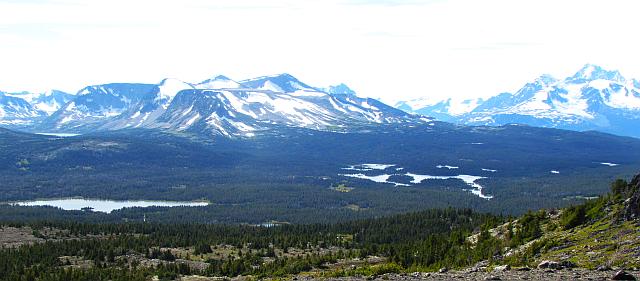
column 631, row 209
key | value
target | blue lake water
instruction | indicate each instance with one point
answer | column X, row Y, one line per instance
column 104, row 205
column 64, row 135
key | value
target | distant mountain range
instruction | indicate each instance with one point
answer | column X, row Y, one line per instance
column 592, row 99
column 216, row 106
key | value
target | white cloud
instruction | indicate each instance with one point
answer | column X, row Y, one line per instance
column 380, row 48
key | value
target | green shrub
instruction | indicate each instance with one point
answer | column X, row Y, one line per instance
column 573, row 216
column 619, row 187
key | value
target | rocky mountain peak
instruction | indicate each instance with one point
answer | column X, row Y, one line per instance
column 591, row 72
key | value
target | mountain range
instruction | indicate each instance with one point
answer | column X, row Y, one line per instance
column 592, row 99
column 216, row 106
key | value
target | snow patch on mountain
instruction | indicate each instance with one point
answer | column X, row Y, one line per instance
column 49, row 107
column 169, row 88
column 27, row 96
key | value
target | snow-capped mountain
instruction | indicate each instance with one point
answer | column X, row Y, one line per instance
column 24, row 108
column 219, row 106
column 592, row 99
column 146, row 111
column 340, row 89
column 282, row 83
column 48, row 102
column 94, row 104
column 16, row 111
column 219, row 82
column 445, row 110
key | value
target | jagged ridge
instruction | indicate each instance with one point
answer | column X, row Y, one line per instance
column 592, row 99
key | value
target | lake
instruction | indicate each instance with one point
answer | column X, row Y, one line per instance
column 64, row 135
column 105, row 206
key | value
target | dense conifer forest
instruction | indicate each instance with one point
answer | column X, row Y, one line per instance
column 437, row 235
column 290, row 178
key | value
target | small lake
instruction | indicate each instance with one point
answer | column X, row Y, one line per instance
column 105, row 206
column 63, row 135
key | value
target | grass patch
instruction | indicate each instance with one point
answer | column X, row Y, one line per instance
column 342, row 188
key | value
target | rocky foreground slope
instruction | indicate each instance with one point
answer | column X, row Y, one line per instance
column 551, row 275
column 599, row 240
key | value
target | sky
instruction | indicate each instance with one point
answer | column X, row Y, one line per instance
column 387, row 49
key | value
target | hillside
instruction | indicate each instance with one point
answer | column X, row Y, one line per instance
column 594, row 240
column 599, row 234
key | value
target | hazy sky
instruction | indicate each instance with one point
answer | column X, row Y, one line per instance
column 386, row 49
